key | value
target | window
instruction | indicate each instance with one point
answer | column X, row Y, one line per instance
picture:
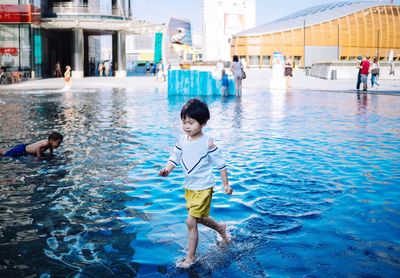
column 15, row 48
column 254, row 60
column 266, row 60
column 297, row 59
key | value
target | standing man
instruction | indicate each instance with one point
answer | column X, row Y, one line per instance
column 364, row 70
column 359, row 61
column 92, row 66
column 58, row 69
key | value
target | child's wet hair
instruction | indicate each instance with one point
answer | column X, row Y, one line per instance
column 55, row 136
column 196, row 109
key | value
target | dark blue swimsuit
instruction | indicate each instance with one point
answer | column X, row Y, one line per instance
column 17, row 151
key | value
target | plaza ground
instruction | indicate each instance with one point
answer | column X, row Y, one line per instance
column 257, row 79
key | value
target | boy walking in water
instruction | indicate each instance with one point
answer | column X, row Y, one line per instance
column 38, row 148
column 197, row 152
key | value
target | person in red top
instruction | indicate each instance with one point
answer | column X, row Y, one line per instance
column 364, row 70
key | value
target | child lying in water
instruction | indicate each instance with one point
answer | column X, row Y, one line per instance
column 38, row 148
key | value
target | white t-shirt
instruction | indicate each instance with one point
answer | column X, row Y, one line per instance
column 197, row 159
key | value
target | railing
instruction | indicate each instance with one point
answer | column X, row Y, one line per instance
column 70, row 8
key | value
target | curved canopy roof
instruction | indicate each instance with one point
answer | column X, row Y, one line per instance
column 314, row 15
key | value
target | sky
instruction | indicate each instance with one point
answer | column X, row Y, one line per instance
column 159, row 11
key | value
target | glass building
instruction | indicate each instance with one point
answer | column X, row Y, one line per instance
column 36, row 34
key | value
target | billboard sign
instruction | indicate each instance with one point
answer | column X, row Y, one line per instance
column 19, row 14
column 9, row 50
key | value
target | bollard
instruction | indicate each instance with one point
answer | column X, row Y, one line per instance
column 333, row 75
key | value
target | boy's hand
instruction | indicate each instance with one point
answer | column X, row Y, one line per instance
column 164, row 172
column 228, row 190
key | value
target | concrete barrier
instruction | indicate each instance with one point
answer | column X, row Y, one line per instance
column 349, row 70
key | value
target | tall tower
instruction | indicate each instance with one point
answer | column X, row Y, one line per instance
column 221, row 20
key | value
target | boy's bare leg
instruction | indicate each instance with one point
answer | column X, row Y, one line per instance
column 220, row 228
column 2, row 151
column 193, row 241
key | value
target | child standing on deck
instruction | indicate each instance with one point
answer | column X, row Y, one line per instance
column 197, row 152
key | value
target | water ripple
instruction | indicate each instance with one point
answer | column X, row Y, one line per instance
column 315, row 177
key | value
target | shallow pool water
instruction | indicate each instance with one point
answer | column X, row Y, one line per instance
column 316, row 180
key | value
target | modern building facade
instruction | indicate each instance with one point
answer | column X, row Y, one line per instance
column 19, row 33
column 68, row 28
column 222, row 19
column 36, row 34
column 338, row 31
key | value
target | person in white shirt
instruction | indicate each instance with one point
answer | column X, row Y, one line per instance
column 374, row 70
column 197, row 152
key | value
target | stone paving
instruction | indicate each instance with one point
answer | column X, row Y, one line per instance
column 257, row 79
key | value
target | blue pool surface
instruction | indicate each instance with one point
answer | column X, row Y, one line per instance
column 315, row 175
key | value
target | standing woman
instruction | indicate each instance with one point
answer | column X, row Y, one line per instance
column 288, row 71
column 375, row 73
column 237, row 70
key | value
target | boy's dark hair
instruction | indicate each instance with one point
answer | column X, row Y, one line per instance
column 55, row 136
column 235, row 58
column 196, row 109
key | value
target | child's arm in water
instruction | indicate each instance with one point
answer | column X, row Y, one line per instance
column 41, row 149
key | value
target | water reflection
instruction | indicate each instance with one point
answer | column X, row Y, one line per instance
column 362, row 102
column 295, row 160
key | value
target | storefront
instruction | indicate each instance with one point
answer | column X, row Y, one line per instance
column 20, row 41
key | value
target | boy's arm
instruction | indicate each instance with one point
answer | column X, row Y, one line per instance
column 216, row 158
column 224, row 176
column 173, row 160
column 168, row 169
column 40, row 150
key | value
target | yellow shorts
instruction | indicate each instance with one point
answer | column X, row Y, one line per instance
column 198, row 202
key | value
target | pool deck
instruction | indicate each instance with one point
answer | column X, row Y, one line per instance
column 257, row 79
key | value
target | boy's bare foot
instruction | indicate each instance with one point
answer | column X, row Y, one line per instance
column 186, row 263
column 224, row 234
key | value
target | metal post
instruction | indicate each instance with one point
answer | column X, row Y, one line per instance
column 304, row 43
column 19, row 46
column 121, row 55
column 338, row 42
column 377, row 54
column 32, row 52
column 77, row 53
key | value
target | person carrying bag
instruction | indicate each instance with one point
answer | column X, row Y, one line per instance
column 375, row 73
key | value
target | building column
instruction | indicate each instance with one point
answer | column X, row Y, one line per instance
column 121, row 55
column 77, row 53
